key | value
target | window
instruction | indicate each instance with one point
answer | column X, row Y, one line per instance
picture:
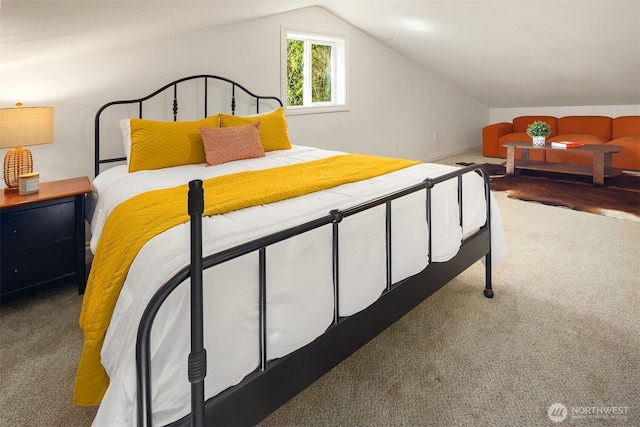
column 314, row 72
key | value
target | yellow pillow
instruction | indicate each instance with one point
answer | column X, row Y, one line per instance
column 273, row 128
column 157, row 145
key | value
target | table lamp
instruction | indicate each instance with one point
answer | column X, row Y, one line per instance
column 20, row 127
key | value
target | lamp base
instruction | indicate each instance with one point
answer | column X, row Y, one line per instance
column 18, row 161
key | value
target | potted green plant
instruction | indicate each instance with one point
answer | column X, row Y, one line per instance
column 539, row 131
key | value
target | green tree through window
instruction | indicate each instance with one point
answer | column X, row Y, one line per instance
column 315, row 71
column 320, row 73
column 295, row 72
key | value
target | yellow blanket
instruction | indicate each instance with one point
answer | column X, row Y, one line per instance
column 136, row 221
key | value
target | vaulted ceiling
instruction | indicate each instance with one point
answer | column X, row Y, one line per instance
column 505, row 53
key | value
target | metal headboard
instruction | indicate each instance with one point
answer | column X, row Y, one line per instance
column 205, row 77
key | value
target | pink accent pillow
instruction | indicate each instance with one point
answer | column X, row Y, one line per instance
column 223, row 145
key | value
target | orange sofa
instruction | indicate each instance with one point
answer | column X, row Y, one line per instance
column 622, row 131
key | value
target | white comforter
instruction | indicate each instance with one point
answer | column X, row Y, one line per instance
column 299, row 272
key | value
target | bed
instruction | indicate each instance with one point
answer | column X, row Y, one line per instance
column 213, row 306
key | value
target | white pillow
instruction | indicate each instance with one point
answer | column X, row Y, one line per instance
column 125, row 127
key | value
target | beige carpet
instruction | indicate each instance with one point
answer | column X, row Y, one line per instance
column 564, row 327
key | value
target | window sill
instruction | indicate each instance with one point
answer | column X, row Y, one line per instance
column 294, row 111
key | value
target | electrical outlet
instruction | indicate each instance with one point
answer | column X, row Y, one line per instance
column 395, row 144
column 435, row 137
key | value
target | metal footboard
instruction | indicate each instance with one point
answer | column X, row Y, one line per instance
column 197, row 359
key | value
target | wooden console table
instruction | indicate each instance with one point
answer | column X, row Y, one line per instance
column 601, row 160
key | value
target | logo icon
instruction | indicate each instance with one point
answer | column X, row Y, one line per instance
column 557, row 412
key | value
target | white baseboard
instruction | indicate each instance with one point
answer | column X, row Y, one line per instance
column 475, row 149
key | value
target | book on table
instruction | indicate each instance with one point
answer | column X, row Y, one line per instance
column 566, row 144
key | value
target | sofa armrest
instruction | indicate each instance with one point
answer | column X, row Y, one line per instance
column 490, row 135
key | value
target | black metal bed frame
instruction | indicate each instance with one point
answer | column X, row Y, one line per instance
column 277, row 381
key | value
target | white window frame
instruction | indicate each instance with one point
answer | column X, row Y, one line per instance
column 339, row 71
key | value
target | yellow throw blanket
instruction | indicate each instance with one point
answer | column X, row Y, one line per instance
column 137, row 220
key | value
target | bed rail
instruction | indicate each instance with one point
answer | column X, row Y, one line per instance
column 174, row 85
column 197, row 358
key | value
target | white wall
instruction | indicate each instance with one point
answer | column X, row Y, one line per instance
column 497, row 115
column 391, row 99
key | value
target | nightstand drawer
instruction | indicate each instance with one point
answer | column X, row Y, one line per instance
column 25, row 228
column 36, row 265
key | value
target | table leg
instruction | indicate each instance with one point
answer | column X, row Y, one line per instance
column 511, row 160
column 598, row 167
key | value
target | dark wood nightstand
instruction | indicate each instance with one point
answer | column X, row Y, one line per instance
column 42, row 238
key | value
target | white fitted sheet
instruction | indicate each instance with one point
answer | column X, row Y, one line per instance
column 299, row 272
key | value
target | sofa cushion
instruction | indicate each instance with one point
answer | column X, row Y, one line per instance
column 521, row 123
column 626, row 126
column 629, row 157
column 515, row 136
column 591, row 125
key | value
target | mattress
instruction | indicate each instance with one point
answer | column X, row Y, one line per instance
column 299, row 272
